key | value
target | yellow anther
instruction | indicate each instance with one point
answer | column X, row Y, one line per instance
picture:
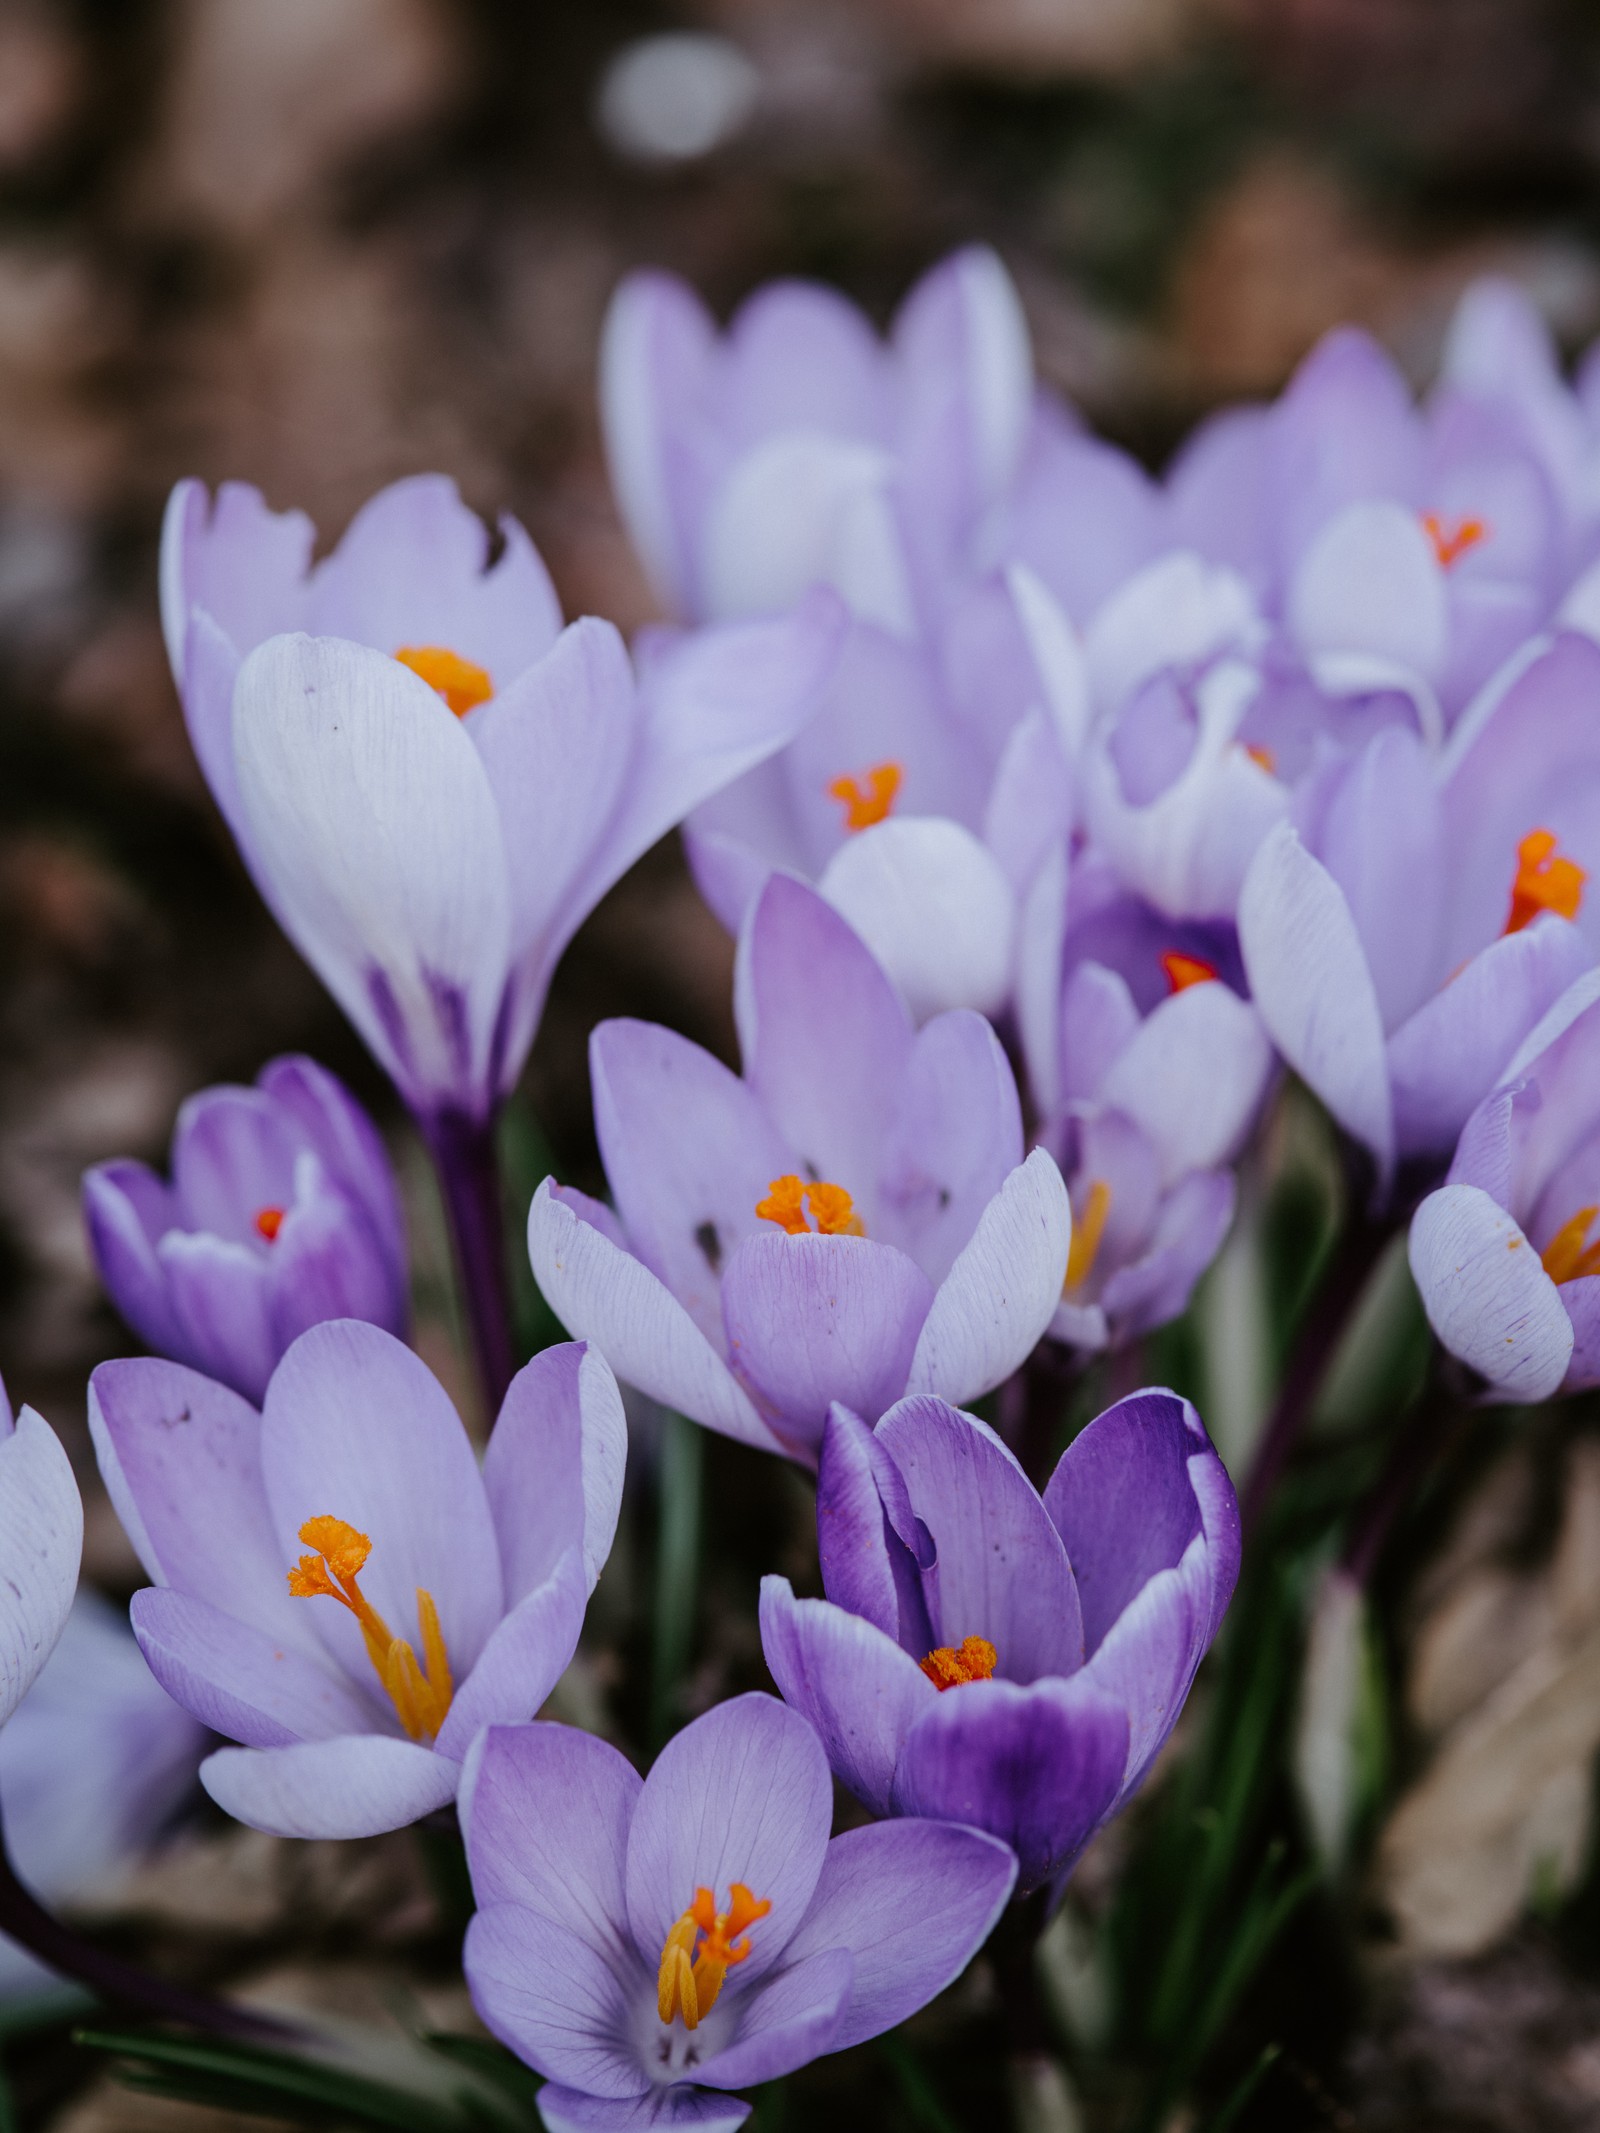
column 1087, row 1230
column 461, row 682
column 832, row 1210
column 420, row 1693
column 688, row 1983
column 1569, row 1256
column 951, row 1666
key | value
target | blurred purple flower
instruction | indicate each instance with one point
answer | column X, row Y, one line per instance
column 989, row 1657
column 41, row 1547
column 851, row 1221
column 282, row 1212
column 434, row 788
column 359, row 1458
column 601, row 1954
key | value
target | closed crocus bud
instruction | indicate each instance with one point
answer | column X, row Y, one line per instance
column 281, row 1212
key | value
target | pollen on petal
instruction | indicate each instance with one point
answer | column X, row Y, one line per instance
column 1452, row 538
column 952, row 1666
column 461, row 682
column 1186, row 970
column 1545, row 881
column 868, row 800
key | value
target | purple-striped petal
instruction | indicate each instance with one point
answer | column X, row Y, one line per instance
column 553, row 1470
column 548, row 1995
column 1486, row 1295
column 242, row 1682
column 357, row 1786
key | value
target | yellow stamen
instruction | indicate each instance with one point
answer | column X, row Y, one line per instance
column 867, row 800
column 1186, row 970
column 269, row 1220
column 1451, row 540
column 688, row 1983
column 973, row 1659
column 1087, row 1230
column 420, row 1693
column 463, row 684
column 832, row 1209
column 1262, row 757
column 1569, row 1256
column 1545, row 881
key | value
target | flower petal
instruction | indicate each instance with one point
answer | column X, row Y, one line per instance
column 1486, row 1295
column 555, row 2002
column 553, row 1470
column 126, row 1207
column 41, row 1545
column 1370, row 582
column 221, row 1308
column 240, row 1680
column 565, row 2110
column 955, row 1139
column 526, row 1655
column 933, row 905
column 1192, row 1077
column 784, row 2022
column 356, row 1786
column 870, row 1547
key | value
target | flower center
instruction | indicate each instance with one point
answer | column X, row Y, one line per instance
column 867, row 799
column 1569, row 1256
column 462, row 684
column 269, row 1220
column 1451, row 538
column 420, row 1693
column 1087, row 1230
column 1186, row 970
column 832, row 1209
column 973, row 1659
column 687, row 1982
column 1545, row 881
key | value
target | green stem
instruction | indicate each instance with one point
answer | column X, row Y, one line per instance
column 677, row 1568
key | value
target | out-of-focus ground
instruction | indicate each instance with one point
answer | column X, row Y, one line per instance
column 316, row 244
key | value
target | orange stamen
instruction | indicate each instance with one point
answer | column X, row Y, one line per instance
column 463, row 684
column 1452, row 540
column 1186, row 970
column 269, row 1221
column 1569, row 1256
column 1087, row 1230
column 1262, row 757
column 973, row 1659
column 1545, row 881
column 869, row 799
column 688, row 1983
column 420, row 1694
column 832, row 1209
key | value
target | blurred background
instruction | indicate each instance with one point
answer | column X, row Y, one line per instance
column 317, row 244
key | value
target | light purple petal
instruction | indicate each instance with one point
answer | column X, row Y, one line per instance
column 1382, row 839
column 41, row 1544
column 358, row 1786
column 934, row 906
column 870, row 1548
column 655, row 350
column 1486, row 1295
column 231, row 556
column 565, row 2110
column 1581, row 1301
column 804, row 510
column 955, row 1139
column 603, row 1295
column 547, row 1994
column 553, row 1470
column 784, row 2022
column 325, row 1262
column 913, row 1902
column 1189, row 1227
column 525, row 1657
column 1370, row 582
column 348, row 1143
column 125, row 1208
column 240, row 1680
column 855, row 1685
column 1193, row 1077
column 742, row 1794
column 221, row 1307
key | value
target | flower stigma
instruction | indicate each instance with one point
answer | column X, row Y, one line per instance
column 1569, row 1256
column 869, row 799
column 1186, row 970
column 832, row 1210
column 1452, row 538
column 1087, row 1230
column 269, row 1220
column 952, row 1666
column 420, row 1693
column 1545, row 881
column 463, row 684
column 688, row 1983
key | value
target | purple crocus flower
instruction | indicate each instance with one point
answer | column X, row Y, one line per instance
column 987, row 1656
column 850, row 1221
column 1404, row 941
column 41, row 1547
column 652, row 1944
column 1148, row 1068
column 437, row 784
column 1504, row 1253
column 282, row 1212
column 336, row 1584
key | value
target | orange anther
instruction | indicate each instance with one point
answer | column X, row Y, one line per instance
column 688, row 1983
column 1262, row 757
column 463, row 684
column 1569, row 1256
column 1087, row 1230
column 973, row 1659
column 1545, row 881
column 1452, row 539
column 421, row 1695
column 269, row 1220
column 867, row 800
column 1186, row 970
column 832, row 1210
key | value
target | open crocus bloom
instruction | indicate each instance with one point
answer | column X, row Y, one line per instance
column 850, row 1221
column 1403, row 951
column 1507, row 1253
column 337, row 1585
column 650, row 1944
column 282, row 1212
column 41, row 1545
column 93, row 1764
column 436, row 785
column 1147, row 1068
column 989, row 1657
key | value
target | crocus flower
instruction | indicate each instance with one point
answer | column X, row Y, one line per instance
column 282, row 1211
column 1505, row 1253
column 93, row 1764
column 435, row 786
column 1148, row 1069
column 41, row 1545
column 987, row 1656
column 652, row 1944
column 1403, row 948
column 850, row 1221
column 336, row 1584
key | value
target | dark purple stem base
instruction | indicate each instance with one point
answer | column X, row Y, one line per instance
column 1425, row 1435
column 463, row 1151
